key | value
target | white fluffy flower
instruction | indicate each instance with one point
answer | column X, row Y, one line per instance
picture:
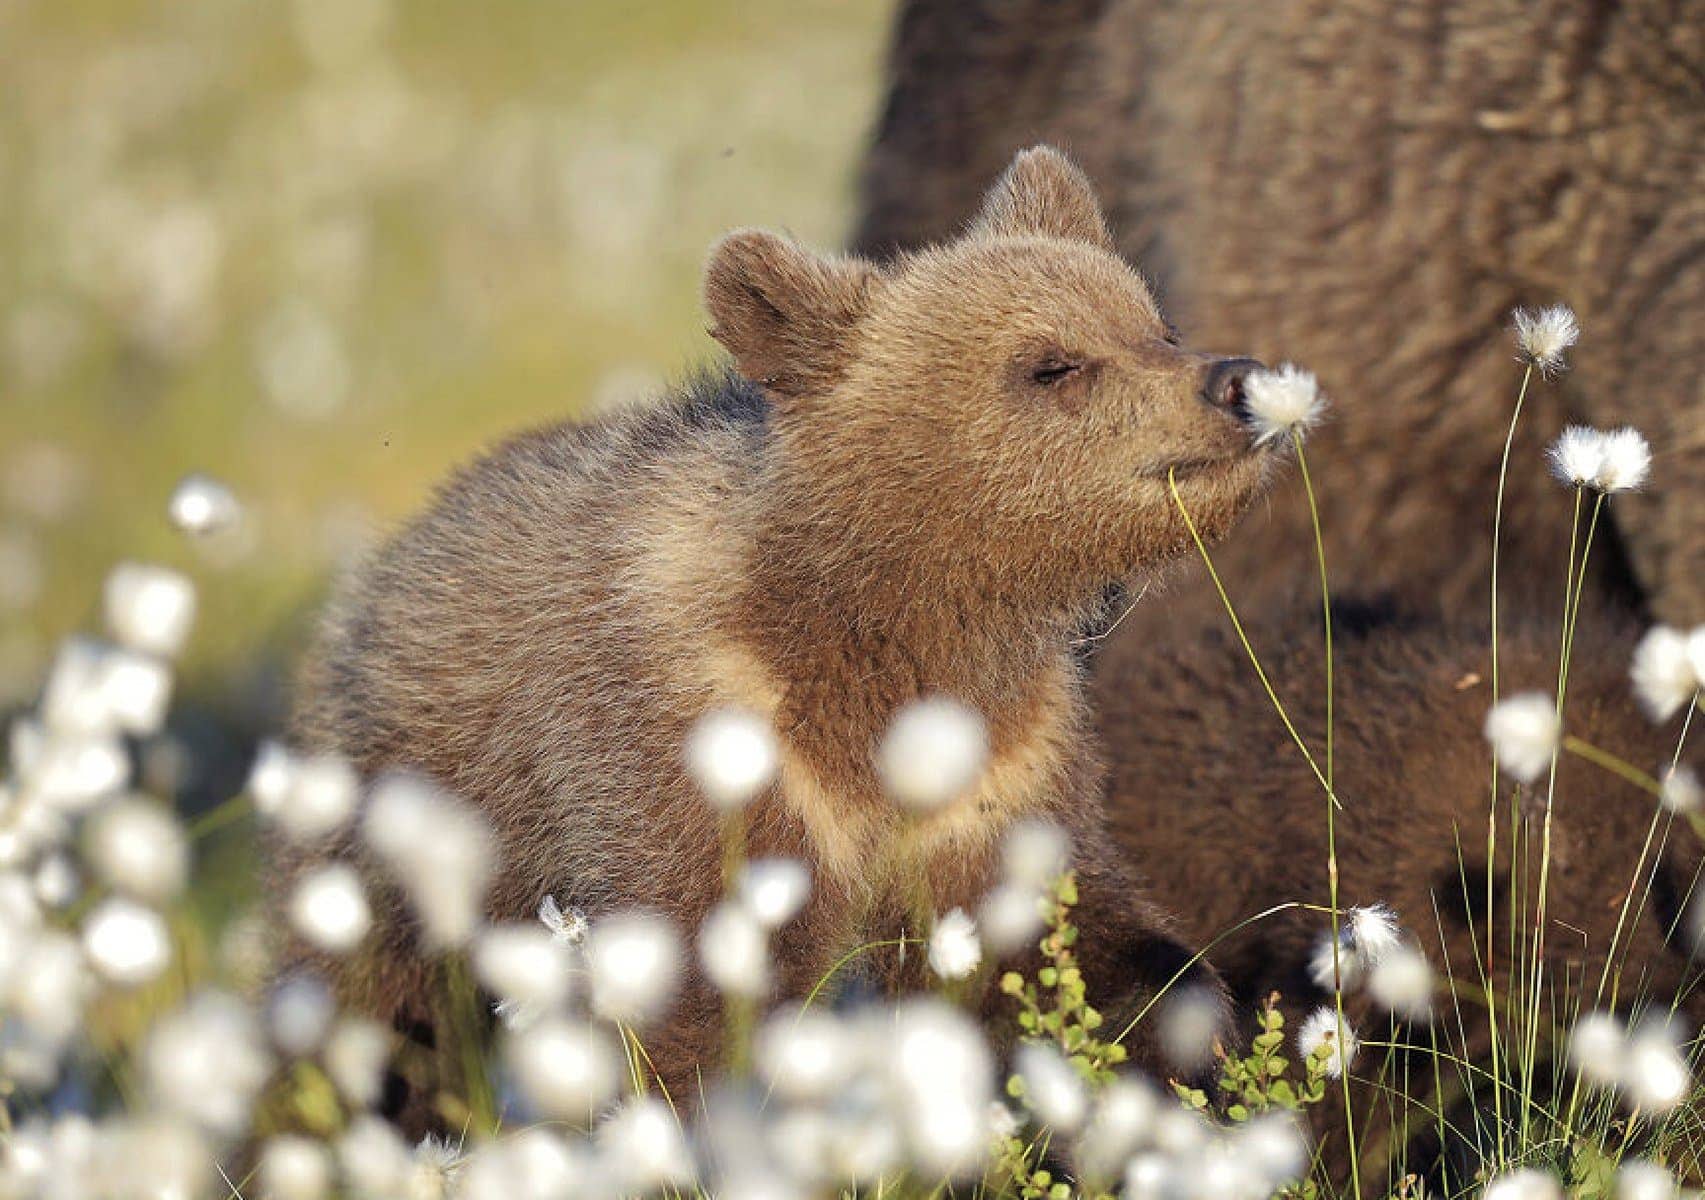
column 1053, row 1089
column 98, row 689
column 149, row 609
column 940, row 1080
column 1543, row 336
column 1282, row 400
column 293, row 1167
column 1642, row 1179
column 355, row 1056
column 1526, row 1183
column 1035, row 853
column 307, row 796
column 1655, row 1075
column 1598, row 1048
column 329, row 908
column 566, row 1069
column 524, row 964
column 568, row 927
column 734, row 951
column 374, row 1161
column 954, row 950
column 127, row 942
column 1401, row 982
column 299, row 1014
column 201, row 505
column 805, row 1054
column 634, row 960
column 1627, row 461
column 1190, row 1021
column 51, row 986
column 139, row 848
column 1665, row 676
column 1681, row 791
column 1525, row 733
column 774, row 889
column 207, row 1063
column 932, row 754
column 1010, row 917
column 438, row 848
column 1577, row 456
column 1122, row 1122
column 731, row 755
column 1322, row 1029
column 644, row 1143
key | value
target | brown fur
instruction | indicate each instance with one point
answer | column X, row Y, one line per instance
column 1224, row 820
column 1369, row 188
column 898, row 509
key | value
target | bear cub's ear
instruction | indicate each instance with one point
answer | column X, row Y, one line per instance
column 1043, row 194
column 785, row 313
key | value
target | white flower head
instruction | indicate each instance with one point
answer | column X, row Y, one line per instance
column 355, row 1056
column 1598, row 1048
column 293, row 1167
column 1525, row 1183
column 1011, row 918
column 299, row 1014
column 139, row 848
column 127, row 942
column 734, row 951
column 731, row 755
column 1322, row 1029
column 207, row 1063
column 1666, row 678
column 1655, row 1075
column 954, row 951
column 1122, row 1121
column 1191, row 1019
column 1035, row 853
column 1642, row 1179
column 644, row 1143
column 306, row 796
column 1053, row 1089
column 1401, row 982
column 932, row 754
column 438, row 848
column 149, row 609
column 524, row 964
column 1282, row 400
column 96, row 689
column 201, row 505
column 567, row 1070
column 329, row 908
column 1577, row 456
column 1627, row 461
column 940, row 1079
column 50, row 987
column 634, row 960
column 805, row 1054
column 1336, row 962
column 569, row 927
column 1525, row 733
column 774, row 890
column 374, row 1160
column 1543, row 336
column 1681, row 793
column 1696, row 654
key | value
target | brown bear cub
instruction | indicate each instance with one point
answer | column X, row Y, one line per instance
column 921, row 480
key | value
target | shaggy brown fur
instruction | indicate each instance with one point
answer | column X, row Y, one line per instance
column 1369, row 188
column 942, row 464
column 1223, row 818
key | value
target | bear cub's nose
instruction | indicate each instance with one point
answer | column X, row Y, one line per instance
column 1224, row 385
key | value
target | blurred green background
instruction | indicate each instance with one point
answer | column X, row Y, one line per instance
column 325, row 249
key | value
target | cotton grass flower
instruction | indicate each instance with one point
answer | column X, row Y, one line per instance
column 1542, row 337
column 954, row 951
column 149, row 609
column 645, row 1146
column 1666, row 678
column 1121, row 1122
column 1642, row 1179
column 774, row 890
column 306, row 796
column 731, row 755
column 293, row 1167
column 523, row 964
column 1627, row 461
column 1282, row 401
column 1190, row 1019
column 568, row 926
column 1365, row 936
column 1525, row 733
column 200, row 505
column 734, row 951
column 1525, row 1183
column 1323, row 1029
column 98, row 689
column 139, row 848
column 1680, row 790
column 1577, row 456
column 126, row 942
column 1598, row 1048
column 1402, row 983
column 355, row 1055
column 373, row 1160
column 566, row 1069
column 805, row 1054
column 329, row 908
column 932, row 754
column 1655, row 1077
column 1053, row 1089
column 634, row 960
column 299, row 1014
column 940, row 1079
column 438, row 848
column 1011, row 918
column 207, row 1063
column 1035, row 853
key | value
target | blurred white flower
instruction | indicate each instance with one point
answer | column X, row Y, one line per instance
column 1577, row 456
column 1034, row 854
column 1322, row 1028
column 734, row 951
column 804, row 1054
column 1627, row 461
column 1525, row 733
column 645, row 1145
column 1053, row 1089
column 1190, row 1019
column 149, row 609
column 1154, row 1177
column 1598, row 1048
column 293, row 1167
column 1543, row 336
column 1011, row 918
column 932, row 754
column 375, row 1162
column 299, row 1014
column 1526, row 1183
column 434, row 1167
column 1665, row 677
column 307, row 796
column 139, row 848
column 329, row 908
column 202, row 505
column 1275, row 1148
column 954, row 951
column 155, row 1155
column 1401, row 982
column 127, row 942
column 1696, row 654
column 50, row 986
column 98, row 689
column 1655, row 1075
column 67, row 773
column 1121, row 1123
column 525, row 965
column 940, row 1081
column 774, row 890
column 301, row 360
column 731, row 755
column 634, row 959
column 207, row 1063
column 57, row 881
column 1681, row 792
column 1642, row 1179
column 568, row 928
column 1282, row 400
column 355, row 1056
column 438, row 848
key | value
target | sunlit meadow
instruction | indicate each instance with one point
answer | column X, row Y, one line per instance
column 266, row 272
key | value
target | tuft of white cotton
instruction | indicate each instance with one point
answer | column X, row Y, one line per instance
column 149, row 609
column 1336, row 962
column 734, row 951
column 355, row 1055
column 306, row 796
column 1011, row 918
column 1655, row 1075
column 139, row 848
column 96, row 689
column 774, row 890
column 1525, row 1183
column 1365, row 936
column 1666, row 678
column 1598, row 1047
column 329, row 908
column 1035, row 853
column 1401, row 982
column 1122, row 1122
column 1577, row 456
column 50, row 986
column 1543, row 336
column 1282, row 400
column 1322, row 1029
column 201, row 505
column 1190, row 1021
column 126, row 942
column 932, row 753
column 634, row 960
column 1642, row 1179
column 1627, row 461
column 566, row 1069
column 1053, row 1089
column 940, row 1080
column 373, row 1159
column 954, row 951
column 299, row 1014
column 438, row 848
column 523, row 964
column 293, row 1167
column 1696, row 654
column 1525, row 733
column 731, row 755
column 1373, row 929
column 207, row 1063
column 569, row 927
column 805, row 1054
column 1681, row 792
column 644, row 1143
